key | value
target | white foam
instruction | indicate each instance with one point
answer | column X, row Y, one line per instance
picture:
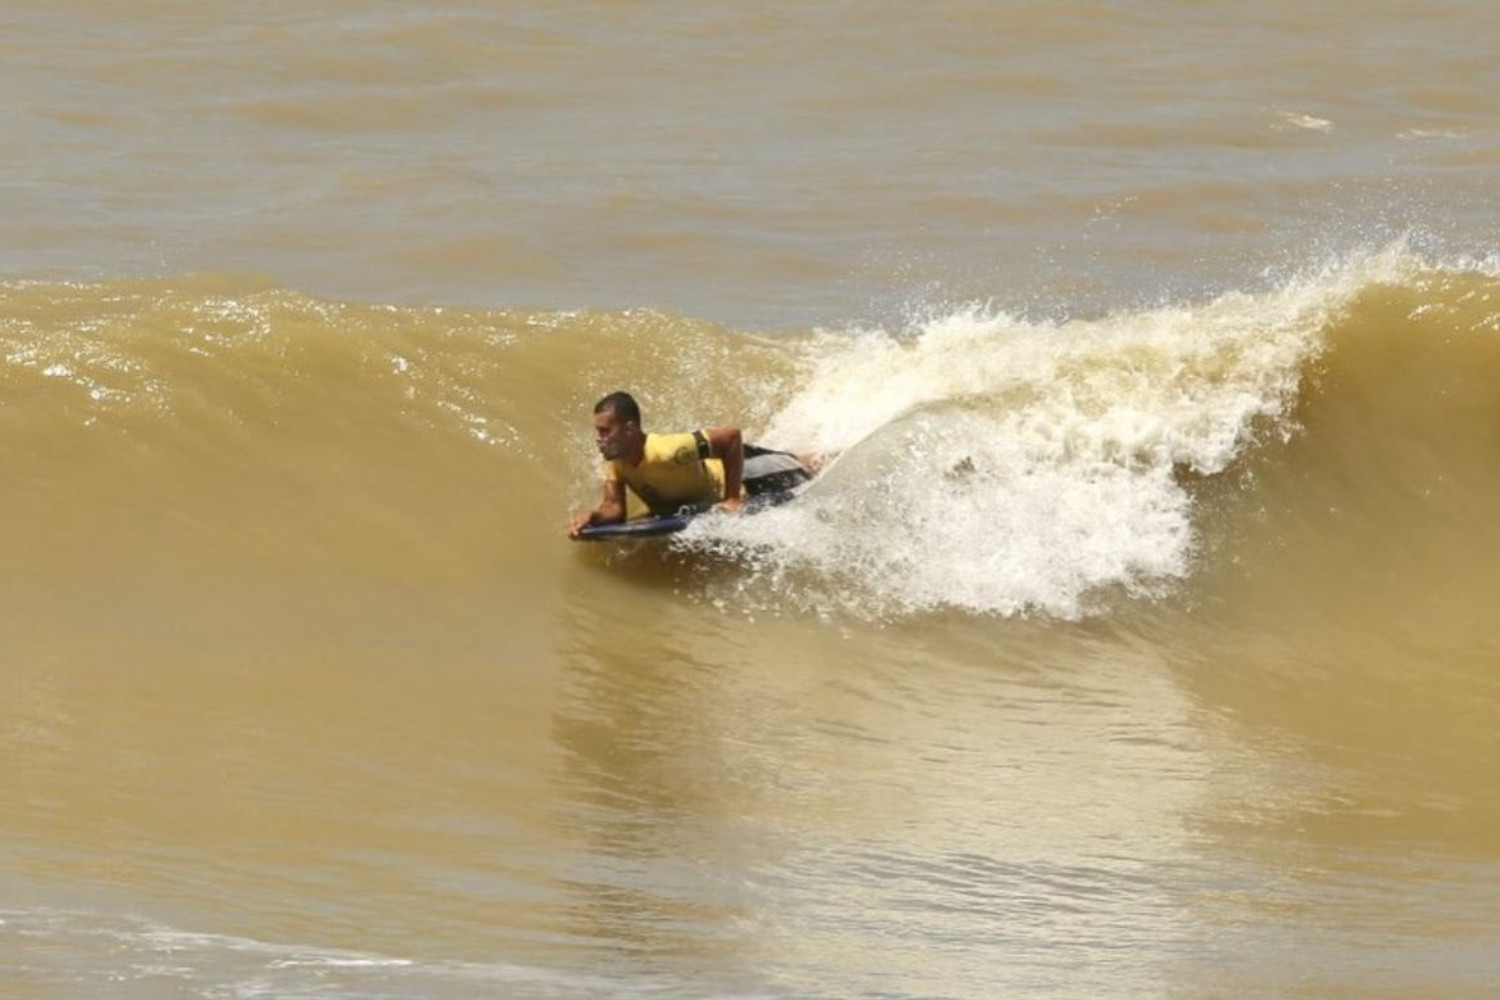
column 996, row 465
column 1312, row 123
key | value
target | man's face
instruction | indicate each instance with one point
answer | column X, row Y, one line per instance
column 612, row 436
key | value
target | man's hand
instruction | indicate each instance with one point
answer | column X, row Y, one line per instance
column 610, row 511
column 733, row 505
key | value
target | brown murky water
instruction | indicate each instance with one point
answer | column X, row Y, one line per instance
column 1140, row 643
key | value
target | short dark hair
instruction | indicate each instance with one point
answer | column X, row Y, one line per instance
column 623, row 405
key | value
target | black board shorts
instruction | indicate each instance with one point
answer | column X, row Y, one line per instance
column 769, row 472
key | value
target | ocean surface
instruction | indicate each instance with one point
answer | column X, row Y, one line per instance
column 1141, row 641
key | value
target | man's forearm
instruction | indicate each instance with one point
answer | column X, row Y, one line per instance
column 733, row 458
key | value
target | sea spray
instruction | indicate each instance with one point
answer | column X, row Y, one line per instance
column 997, row 465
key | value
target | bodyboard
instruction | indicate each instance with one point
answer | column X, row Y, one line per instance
column 640, row 527
column 656, row 525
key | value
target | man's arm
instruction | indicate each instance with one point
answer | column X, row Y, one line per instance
column 726, row 444
column 611, row 509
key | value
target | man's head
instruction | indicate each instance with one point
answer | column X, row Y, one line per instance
column 617, row 427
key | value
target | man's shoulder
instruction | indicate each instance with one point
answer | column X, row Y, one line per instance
column 675, row 437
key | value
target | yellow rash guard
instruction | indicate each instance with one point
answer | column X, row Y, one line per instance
column 674, row 472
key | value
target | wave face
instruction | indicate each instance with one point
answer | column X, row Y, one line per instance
column 1375, row 516
column 987, row 463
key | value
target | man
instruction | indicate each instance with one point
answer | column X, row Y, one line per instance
column 700, row 469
